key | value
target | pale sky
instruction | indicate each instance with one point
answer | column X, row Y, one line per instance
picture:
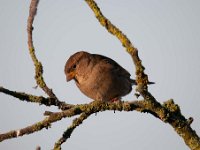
column 167, row 35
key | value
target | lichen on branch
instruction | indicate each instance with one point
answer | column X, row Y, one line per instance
column 169, row 112
column 141, row 77
column 186, row 132
column 38, row 65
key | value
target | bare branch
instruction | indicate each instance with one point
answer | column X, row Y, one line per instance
column 32, row 13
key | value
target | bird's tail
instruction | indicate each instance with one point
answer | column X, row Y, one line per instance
column 133, row 82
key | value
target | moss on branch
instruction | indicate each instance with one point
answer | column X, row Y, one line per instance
column 38, row 65
column 169, row 112
column 36, row 99
column 141, row 77
column 76, row 122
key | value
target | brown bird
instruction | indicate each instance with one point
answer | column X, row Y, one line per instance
column 98, row 77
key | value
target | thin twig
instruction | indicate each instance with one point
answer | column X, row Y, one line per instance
column 66, row 135
column 38, row 65
column 45, row 123
column 36, row 99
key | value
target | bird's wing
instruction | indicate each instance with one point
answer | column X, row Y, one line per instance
column 114, row 66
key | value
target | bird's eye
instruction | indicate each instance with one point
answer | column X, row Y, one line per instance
column 74, row 66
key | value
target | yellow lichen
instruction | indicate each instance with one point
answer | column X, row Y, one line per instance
column 171, row 106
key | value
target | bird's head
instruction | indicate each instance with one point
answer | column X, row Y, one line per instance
column 73, row 64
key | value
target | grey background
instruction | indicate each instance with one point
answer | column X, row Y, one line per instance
column 167, row 35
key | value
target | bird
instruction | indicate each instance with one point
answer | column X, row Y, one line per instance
column 98, row 77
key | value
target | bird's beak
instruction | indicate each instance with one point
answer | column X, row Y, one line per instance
column 70, row 76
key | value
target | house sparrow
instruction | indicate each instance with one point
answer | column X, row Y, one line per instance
column 98, row 77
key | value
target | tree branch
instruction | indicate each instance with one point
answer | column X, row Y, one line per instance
column 38, row 65
column 169, row 112
column 176, row 120
column 66, row 135
column 141, row 77
column 93, row 107
column 46, row 123
column 36, row 99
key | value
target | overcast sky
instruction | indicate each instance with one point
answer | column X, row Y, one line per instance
column 167, row 35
